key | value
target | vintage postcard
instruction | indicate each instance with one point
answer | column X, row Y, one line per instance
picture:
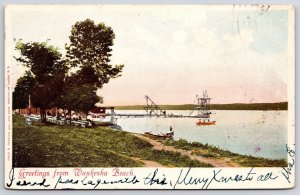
column 149, row 96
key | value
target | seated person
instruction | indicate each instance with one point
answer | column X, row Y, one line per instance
column 74, row 116
column 89, row 118
column 171, row 132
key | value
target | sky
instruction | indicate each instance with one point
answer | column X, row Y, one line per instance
column 239, row 54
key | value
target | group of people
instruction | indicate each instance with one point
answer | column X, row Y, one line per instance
column 74, row 116
column 163, row 112
column 204, row 121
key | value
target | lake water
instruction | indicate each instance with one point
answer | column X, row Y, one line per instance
column 256, row 133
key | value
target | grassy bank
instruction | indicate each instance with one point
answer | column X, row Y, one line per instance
column 65, row 146
column 215, row 152
column 252, row 106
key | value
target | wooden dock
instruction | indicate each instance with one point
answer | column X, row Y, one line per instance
column 156, row 116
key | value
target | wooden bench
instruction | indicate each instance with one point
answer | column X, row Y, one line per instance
column 80, row 123
column 34, row 118
column 51, row 119
column 60, row 122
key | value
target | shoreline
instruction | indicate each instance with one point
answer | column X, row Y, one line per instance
column 67, row 146
column 234, row 106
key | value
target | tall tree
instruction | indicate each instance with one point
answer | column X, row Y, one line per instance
column 48, row 71
column 90, row 49
column 22, row 91
column 79, row 92
column 79, row 98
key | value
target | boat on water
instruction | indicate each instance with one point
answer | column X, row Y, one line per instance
column 206, row 122
column 164, row 135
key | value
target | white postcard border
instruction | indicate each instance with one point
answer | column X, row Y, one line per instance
column 205, row 178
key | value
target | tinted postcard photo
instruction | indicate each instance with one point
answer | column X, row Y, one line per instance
column 149, row 96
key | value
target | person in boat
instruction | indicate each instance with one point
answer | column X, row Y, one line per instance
column 171, row 132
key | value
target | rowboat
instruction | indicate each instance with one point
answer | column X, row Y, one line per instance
column 206, row 123
column 165, row 135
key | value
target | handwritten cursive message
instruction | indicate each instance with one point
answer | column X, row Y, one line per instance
column 158, row 178
column 186, row 179
column 287, row 171
column 42, row 182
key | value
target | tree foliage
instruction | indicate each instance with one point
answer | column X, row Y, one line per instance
column 79, row 98
column 48, row 72
column 22, row 91
column 43, row 61
column 49, row 81
column 90, row 49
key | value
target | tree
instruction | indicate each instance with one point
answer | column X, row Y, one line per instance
column 90, row 50
column 89, row 53
column 48, row 71
column 22, row 91
column 79, row 92
column 79, row 98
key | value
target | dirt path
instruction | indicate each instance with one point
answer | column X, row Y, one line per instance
column 148, row 163
column 214, row 162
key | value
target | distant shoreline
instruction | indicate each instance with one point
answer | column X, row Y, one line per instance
column 236, row 106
